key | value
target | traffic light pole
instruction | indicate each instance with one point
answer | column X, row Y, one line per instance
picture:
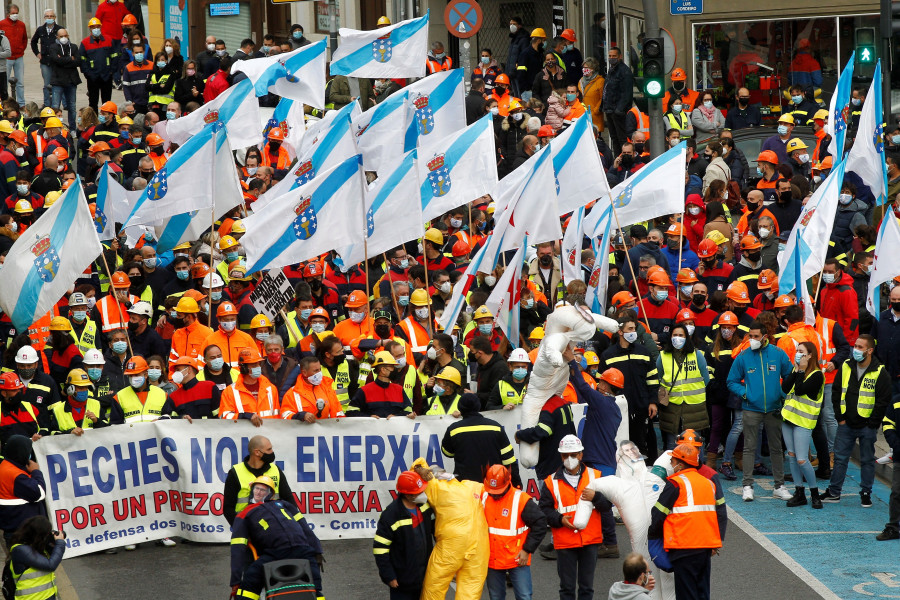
column 887, row 56
column 654, row 110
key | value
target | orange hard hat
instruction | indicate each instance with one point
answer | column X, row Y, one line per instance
column 356, row 299
column 622, row 298
column 502, row 78
column 750, row 242
column 195, row 295
column 410, row 483
column 767, row 280
column 120, row 280
column 61, row 153
column 129, row 19
column 276, row 134
column 186, row 361
column 319, row 312
column 109, row 106
column 679, row 74
column 686, row 276
column 199, row 270
column 659, row 278
column 98, row 147
column 461, row 248
column 656, row 269
column 10, row 381
column 497, row 479
column 135, row 365
column 613, row 377
column 783, row 301
column 546, row 131
column 767, row 156
column 689, row 436
column 226, row 309
column 685, row 315
column 687, row 453
column 707, row 248
column 737, row 291
column 249, row 356
column 728, row 318
column 675, row 229
column 19, row 137
column 154, row 139
column 313, row 269
column 568, row 35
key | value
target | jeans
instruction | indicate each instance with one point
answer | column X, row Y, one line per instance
column 796, row 440
column 16, row 70
column 721, row 417
column 576, row 565
column 737, row 428
column 692, row 575
column 772, row 422
column 520, row 578
column 827, row 416
column 47, row 73
column 65, row 94
column 843, row 446
column 615, row 124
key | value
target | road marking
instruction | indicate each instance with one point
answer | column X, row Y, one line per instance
column 815, row 532
column 785, row 559
column 64, row 585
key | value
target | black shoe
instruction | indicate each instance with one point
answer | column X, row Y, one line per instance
column 865, row 498
column 788, row 477
column 889, row 533
column 761, row 469
column 816, row 498
column 798, row 499
column 823, row 474
column 608, row 551
column 830, row 498
column 548, row 552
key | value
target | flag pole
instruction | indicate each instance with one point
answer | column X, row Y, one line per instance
column 212, row 232
column 630, row 266
column 425, row 260
column 818, row 285
column 118, row 304
column 680, row 246
column 393, row 291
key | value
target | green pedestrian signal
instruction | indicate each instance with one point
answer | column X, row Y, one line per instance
column 865, row 45
column 654, row 67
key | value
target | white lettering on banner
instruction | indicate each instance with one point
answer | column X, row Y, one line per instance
column 271, row 293
column 127, row 484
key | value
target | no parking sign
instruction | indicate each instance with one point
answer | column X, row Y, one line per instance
column 463, row 18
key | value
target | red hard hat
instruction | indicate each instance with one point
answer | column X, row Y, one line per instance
column 461, row 248
column 502, row 78
column 728, row 318
column 613, row 377
column 707, row 249
column 129, row 19
column 410, row 483
column 11, row 381
column 497, row 479
column 546, row 131
column 685, row 315
column 568, row 35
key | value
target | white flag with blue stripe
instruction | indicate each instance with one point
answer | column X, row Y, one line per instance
column 381, row 131
column 187, row 227
column 236, row 108
column 804, row 253
column 391, row 219
column 321, row 215
column 190, row 181
column 298, row 75
column 598, row 282
column 316, row 128
column 504, row 299
column 839, row 111
column 45, row 260
column 288, row 116
column 866, row 157
column 573, row 240
column 113, row 204
column 580, row 176
column 480, row 262
column 457, row 169
column 436, row 106
column 399, row 50
column 333, row 146
column 887, row 260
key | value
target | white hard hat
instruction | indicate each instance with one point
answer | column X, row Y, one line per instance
column 77, row 299
column 26, row 355
column 141, row 308
column 93, row 357
column 518, row 355
column 570, row 444
column 215, row 279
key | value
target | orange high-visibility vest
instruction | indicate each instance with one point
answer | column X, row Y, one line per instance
column 692, row 522
column 565, row 500
column 506, row 529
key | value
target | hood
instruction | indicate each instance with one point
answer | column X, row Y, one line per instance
column 846, row 279
column 18, row 450
column 627, row 591
column 856, row 206
column 695, row 199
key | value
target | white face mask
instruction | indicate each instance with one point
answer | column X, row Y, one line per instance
column 446, row 288
column 420, row 499
column 401, row 362
column 495, row 110
column 727, row 334
column 678, row 342
column 357, row 317
column 177, row 377
column 315, row 379
column 694, row 210
column 804, row 158
column 490, row 281
column 211, row 47
column 456, row 223
column 690, row 329
column 422, row 313
column 630, row 336
column 228, row 325
column 431, row 353
column 764, row 232
column 513, row 29
column 14, row 17
column 755, row 344
column 571, row 463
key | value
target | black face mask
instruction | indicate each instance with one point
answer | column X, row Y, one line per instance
column 639, row 147
column 274, row 146
column 627, row 161
column 895, row 306
column 383, row 331
column 699, row 299
column 27, row 373
column 751, row 206
column 546, row 260
column 754, row 256
column 133, row 326
column 653, row 244
column 739, row 310
column 785, row 197
column 314, row 284
column 137, row 282
column 268, row 458
column 711, row 262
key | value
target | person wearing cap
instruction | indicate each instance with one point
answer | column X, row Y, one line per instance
column 62, row 353
column 228, row 337
column 79, row 410
column 482, row 325
column 84, row 330
column 261, row 328
column 274, row 154
column 193, row 399
column 344, row 374
column 213, row 289
column 404, row 538
column 679, row 89
column 713, row 270
column 689, row 520
column 445, row 393
column 656, row 308
column 189, row 339
column 509, row 391
column 313, row 395
column 139, row 401
column 107, row 129
column 23, row 403
column 433, row 244
column 11, row 158
column 420, row 325
column 23, row 192
column 398, row 270
column 324, row 293
column 778, row 142
column 359, row 326
column 561, row 490
column 318, row 330
column 145, row 341
column 405, row 374
column 823, row 139
column 252, row 396
column 442, row 353
column 382, row 398
column 798, row 158
column 675, row 238
column 516, row 526
column 99, row 63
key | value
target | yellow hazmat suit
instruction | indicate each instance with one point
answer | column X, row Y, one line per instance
column 462, row 548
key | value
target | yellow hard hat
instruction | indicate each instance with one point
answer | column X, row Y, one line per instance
column 384, row 358
column 383, row 21
column 94, row 22
column 482, row 312
column 187, row 306
column 591, row 358
column 6, row 126
column 227, row 242
column 717, row 236
column 420, row 298
column 238, row 227
column 23, row 207
column 60, row 324
column 183, row 246
column 539, row 33
column 536, row 334
column 435, row 235
column 265, row 480
column 124, row 121
column 448, row 373
column 50, row 198
column 786, row 118
column 260, row 321
column 78, row 378
column 47, row 112
column 514, row 104
column 795, row 144
column 53, row 122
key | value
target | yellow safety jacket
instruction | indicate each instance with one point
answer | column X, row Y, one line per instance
column 802, row 411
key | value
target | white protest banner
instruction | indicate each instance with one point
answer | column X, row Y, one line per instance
column 272, row 292
column 128, row 484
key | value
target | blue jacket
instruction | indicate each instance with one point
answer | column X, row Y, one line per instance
column 887, row 332
column 756, row 375
column 689, row 258
column 601, row 421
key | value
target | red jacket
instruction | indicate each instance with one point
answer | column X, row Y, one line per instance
column 838, row 302
column 17, row 35
column 215, row 85
column 111, row 15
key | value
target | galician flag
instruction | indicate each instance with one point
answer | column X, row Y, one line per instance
column 394, row 51
column 298, row 75
column 236, row 108
column 504, row 299
column 866, row 157
column 839, row 111
column 887, row 261
column 578, row 167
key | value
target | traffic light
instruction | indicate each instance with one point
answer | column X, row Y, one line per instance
column 654, row 67
column 865, row 45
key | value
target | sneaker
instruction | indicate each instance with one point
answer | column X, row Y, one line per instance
column 781, row 493
column 167, row 542
column 605, row 551
column 748, row 493
column 830, row 497
column 865, row 498
column 761, row 469
column 885, row 460
column 889, row 533
column 130, row 547
column 727, row 472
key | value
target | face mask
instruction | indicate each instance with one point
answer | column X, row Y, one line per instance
column 317, row 327
column 216, row 364
column 764, row 232
column 528, row 304
column 661, row 295
column 676, row 109
column 781, row 247
column 798, row 357
column 120, row 347
column 174, row 314
column 678, row 342
column 94, row 373
column 138, row 57
column 782, row 130
column 674, row 142
column 383, row 331
column 828, row 277
column 438, row 390
column 803, row 158
column 137, row 140
column 495, row 111
column 431, row 353
column 858, row 355
column 228, row 325
column 313, row 379
column 686, row 289
column 454, row 337
column 855, row 101
column 895, row 306
column 103, row 118
column 14, row 17
column 845, row 199
column 63, row 40
column 22, row 189
column 571, row 97
column 519, row 373
column 138, row 381
column 455, row 223
column 571, row 463
column 490, row 281
column 232, row 256
column 262, row 337
column 211, row 47
column 518, row 116
column 420, row 499
column 694, row 210
column 297, row 35
column 304, row 314
column 895, row 139
column 485, row 60
column 49, row 22
column 13, row 226
column 255, row 372
column 587, row 72
column 755, row 344
column 440, row 56
column 154, row 374
column 639, row 147
column 513, row 28
column 357, row 317
column 630, row 336
column 708, row 104
column 727, row 334
column 220, row 53
column 182, row 275
column 797, row 99
column 612, row 61
column 79, row 315
column 445, row 288
column 422, row 313
column 485, row 328
column 759, row 172
column 690, row 329
column 161, row 64
column 268, row 458
column 95, row 32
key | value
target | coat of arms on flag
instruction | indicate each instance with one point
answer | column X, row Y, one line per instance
column 382, row 48
column 99, row 218
column 439, row 176
column 158, row 185
column 595, row 275
column 46, row 260
column 304, row 172
column 211, row 117
column 287, row 72
column 424, row 115
column 623, row 198
column 305, row 224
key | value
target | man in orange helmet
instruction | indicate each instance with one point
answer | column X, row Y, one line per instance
column 228, row 337
column 656, row 307
column 747, row 270
column 359, row 325
column 679, row 89
column 111, row 311
column 252, row 396
column 99, row 63
column 501, row 94
column 138, row 402
column 274, row 154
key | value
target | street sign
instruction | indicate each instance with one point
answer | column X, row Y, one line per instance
column 463, row 18
column 685, row 7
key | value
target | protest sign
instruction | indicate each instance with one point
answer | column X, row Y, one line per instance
column 272, row 292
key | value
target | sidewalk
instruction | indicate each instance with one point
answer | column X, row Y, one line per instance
column 34, row 84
